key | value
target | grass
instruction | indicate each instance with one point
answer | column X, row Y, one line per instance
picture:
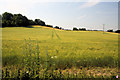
column 59, row 49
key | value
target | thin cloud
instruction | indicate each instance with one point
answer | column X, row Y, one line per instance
column 90, row 3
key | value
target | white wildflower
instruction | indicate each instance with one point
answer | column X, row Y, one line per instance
column 27, row 72
column 117, row 76
column 52, row 57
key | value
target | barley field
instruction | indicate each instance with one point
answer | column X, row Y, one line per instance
column 46, row 52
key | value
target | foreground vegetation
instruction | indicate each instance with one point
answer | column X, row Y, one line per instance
column 88, row 72
column 47, row 50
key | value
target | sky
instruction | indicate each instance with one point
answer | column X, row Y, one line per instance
column 89, row 14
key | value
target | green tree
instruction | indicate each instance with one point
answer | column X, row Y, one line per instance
column 31, row 22
column 75, row 29
column 82, row 29
column 19, row 20
column 49, row 26
column 39, row 22
column 56, row 27
column 110, row 30
column 6, row 19
column 117, row 31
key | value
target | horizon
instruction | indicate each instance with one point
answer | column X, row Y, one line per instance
column 89, row 15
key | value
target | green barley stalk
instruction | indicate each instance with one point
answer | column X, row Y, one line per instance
column 38, row 52
column 60, row 74
column 67, row 73
column 7, row 73
column 46, row 70
column 18, row 74
column 23, row 55
column 26, row 58
column 30, row 47
column 47, row 57
column 38, row 56
column 25, row 47
column 30, row 57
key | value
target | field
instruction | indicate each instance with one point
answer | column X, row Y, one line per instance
column 85, row 53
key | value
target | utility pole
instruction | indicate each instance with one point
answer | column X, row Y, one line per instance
column 103, row 28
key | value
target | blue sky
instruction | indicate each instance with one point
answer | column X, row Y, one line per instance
column 88, row 14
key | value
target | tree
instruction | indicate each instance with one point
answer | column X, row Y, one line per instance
column 110, row 30
column 56, row 27
column 60, row 27
column 9, row 20
column 49, row 26
column 31, row 22
column 6, row 19
column 39, row 22
column 117, row 31
column 19, row 20
column 82, row 29
column 75, row 29
column 7, row 16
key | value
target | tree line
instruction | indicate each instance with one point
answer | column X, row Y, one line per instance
column 18, row 20
column 80, row 29
column 111, row 30
column 84, row 29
